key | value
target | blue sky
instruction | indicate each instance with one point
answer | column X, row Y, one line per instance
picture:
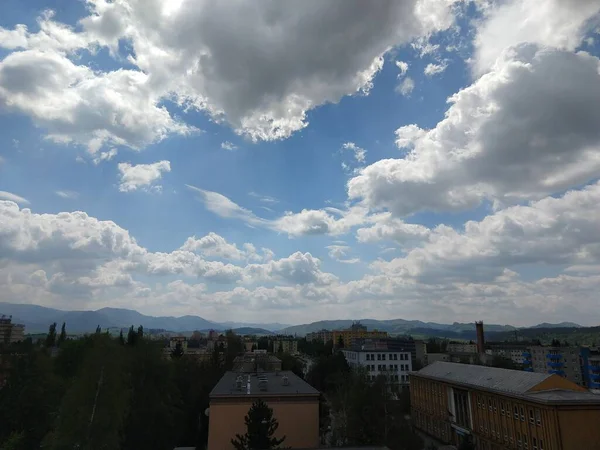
column 434, row 161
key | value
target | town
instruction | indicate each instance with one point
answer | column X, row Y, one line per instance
column 331, row 388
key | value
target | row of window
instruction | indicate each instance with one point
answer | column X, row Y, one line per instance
column 392, row 357
column 521, row 440
column 435, row 427
column 396, row 378
column 535, row 416
column 392, row 368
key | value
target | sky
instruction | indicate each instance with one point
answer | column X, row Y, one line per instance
column 299, row 161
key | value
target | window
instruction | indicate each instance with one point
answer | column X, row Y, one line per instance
column 372, row 356
column 541, row 444
column 490, row 404
column 479, row 401
column 383, row 356
column 391, row 367
column 525, row 444
column 519, row 441
column 531, row 419
column 495, row 407
column 502, row 408
column 396, row 357
column 534, row 443
column 391, row 357
column 378, row 356
column 522, row 414
column 538, row 417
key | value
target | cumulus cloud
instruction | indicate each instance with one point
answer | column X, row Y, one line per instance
column 340, row 253
column 105, row 156
column 13, row 197
column 359, row 153
column 388, row 228
column 402, row 67
column 289, row 53
column 434, row 69
column 142, row 176
column 228, row 146
column 405, row 87
column 480, row 151
column 213, row 245
column 561, row 24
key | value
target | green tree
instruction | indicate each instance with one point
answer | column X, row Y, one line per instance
column 280, row 347
column 98, row 329
column 260, row 429
column 51, row 336
column 131, row 336
column 63, row 334
column 290, row 362
column 340, row 342
column 177, row 351
column 121, row 338
column 140, row 332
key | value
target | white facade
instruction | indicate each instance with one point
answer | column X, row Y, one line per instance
column 394, row 365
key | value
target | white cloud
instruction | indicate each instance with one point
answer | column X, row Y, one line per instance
column 434, row 69
column 403, row 67
column 405, row 87
column 289, row 53
column 79, row 105
column 388, row 228
column 213, row 245
column 228, row 146
column 479, row 151
column 263, row 198
column 359, row 153
column 13, row 198
column 561, row 24
column 340, row 254
column 142, row 176
column 424, row 47
column 67, row 194
column 105, row 156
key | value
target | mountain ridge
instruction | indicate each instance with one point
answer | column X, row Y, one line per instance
column 37, row 318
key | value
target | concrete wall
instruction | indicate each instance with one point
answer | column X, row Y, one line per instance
column 298, row 421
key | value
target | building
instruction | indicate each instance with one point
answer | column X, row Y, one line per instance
column 255, row 362
column 356, row 331
column 395, row 365
column 509, row 350
column 285, row 344
column 590, row 358
column 250, row 345
column 504, row 409
column 294, row 402
column 461, row 347
column 420, row 353
column 434, row 357
column 10, row 332
column 321, row 336
column 563, row 361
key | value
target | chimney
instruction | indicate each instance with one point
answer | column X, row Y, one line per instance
column 480, row 338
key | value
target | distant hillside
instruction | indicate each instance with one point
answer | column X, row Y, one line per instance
column 557, row 325
column 398, row 326
column 250, row 330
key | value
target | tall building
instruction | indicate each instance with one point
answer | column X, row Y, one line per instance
column 504, row 409
column 10, row 332
column 286, row 344
column 509, row 350
column 563, row 361
column 322, row 336
column 294, row 402
column 356, row 331
column 378, row 359
column 590, row 358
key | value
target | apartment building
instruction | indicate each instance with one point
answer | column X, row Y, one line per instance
column 562, row 361
column 356, row 331
column 461, row 347
column 590, row 358
column 499, row 409
column 510, row 350
column 395, row 365
column 294, row 402
column 285, row 344
column 10, row 332
column 322, row 336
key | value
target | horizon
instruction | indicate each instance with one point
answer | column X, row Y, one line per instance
column 303, row 160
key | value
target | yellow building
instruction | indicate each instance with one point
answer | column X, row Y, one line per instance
column 356, row 331
column 499, row 409
column 294, row 402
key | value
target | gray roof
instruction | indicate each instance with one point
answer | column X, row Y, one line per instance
column 226, row 387
column 564, row 396
column 492, row 378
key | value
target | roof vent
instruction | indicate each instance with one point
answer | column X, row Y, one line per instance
column 286, row 381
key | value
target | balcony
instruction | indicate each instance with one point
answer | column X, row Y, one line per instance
column 557, row 372
column 595, row 369
column 526, row 355
column 555, row 364
column 528, row 369
column 595, row 376
column 554, row 356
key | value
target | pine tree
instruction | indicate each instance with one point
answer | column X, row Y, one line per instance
column 63, row 334
column 260, row 428
column 131, row 336
column 98, row 329
column 177, row 351
column 140, row 332
column 121, row 338
column 51, row 337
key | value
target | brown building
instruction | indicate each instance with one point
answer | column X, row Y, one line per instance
column 294, row 402
column 504, row 409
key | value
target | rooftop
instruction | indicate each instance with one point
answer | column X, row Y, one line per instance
column 511, row 382
column 227, row 386
column 502, row 380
